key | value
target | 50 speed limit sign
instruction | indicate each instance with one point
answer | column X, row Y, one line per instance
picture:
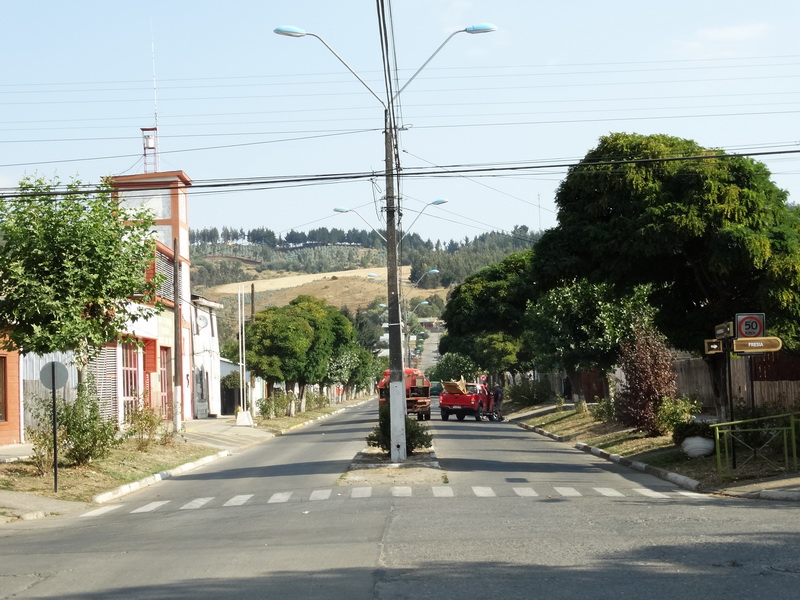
column 750, row 325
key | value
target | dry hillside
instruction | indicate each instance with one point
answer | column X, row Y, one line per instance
column 353, row 289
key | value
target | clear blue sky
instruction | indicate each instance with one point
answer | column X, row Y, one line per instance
column 235, row 100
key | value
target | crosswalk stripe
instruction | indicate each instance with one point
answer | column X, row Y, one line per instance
column 361, row 492
column 611, row 492
column 403, row 491
column 279, row 497
column 102, row 510
column 196, row 503
column 442, row 491
column 525, row 492
column 238, row 500
column 483, row 491
column 150, row 507
column 567, row 491
column 320, row 495
column 649, row 493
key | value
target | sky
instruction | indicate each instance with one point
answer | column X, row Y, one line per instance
column 236, row 104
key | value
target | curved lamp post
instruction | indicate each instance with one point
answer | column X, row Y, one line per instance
column 397, row 400
column 342, row 209
column 408, row 330
column 437, row 202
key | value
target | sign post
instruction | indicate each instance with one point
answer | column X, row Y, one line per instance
column 54, row 376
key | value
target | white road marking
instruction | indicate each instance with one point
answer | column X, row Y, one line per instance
column 483, row 492
column 525, row 492
column 197, row 503
column 238, row 500
column 320, row 495
column 403, row 491
column 442, row 491
column 361, row 492
column 568, row 491
column 611, row 492
column 150, row 507
column 279, row 497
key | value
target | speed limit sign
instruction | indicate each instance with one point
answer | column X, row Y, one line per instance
column 749, row 325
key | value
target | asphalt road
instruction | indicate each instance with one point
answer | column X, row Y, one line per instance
column 519, row 516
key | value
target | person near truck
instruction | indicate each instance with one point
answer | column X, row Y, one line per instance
column 498, row 401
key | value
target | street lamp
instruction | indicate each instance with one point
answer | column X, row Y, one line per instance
column 342, row 209
column 438, row 202
column 408, row 330
column 397, row 396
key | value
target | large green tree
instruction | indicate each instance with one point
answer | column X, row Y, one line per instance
column 581, row 325
column 71, row 262
column 711, row 232
column 492, row 301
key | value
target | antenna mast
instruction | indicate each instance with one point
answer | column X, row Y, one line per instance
column 150, row 134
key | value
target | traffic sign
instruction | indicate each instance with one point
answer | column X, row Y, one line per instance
column 757, row 344
column 713, row 346
column 749, row 325
column 724, row 330
column 54, row 375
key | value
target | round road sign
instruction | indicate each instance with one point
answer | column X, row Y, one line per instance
column 750, row 325
column 54, row 375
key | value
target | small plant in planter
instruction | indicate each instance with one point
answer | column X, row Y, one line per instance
column 696, row 438
column 417, row 435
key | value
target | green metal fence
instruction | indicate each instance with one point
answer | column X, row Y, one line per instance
column 756, row 438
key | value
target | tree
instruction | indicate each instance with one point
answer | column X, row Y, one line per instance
column 70, row 264
column 277, row 343
column 711, row 232
column 580, row 325
column 490, row 301
column 453, row 366
column 649, row 378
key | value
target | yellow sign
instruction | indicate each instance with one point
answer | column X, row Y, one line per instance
column 713, row 346
column 757, row 344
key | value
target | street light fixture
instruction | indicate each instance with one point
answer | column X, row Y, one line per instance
column 342, row 209
column 397, row 400
column 437, row 202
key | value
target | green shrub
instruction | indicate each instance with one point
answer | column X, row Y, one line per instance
column 40, row 436
column 315, row 401
column 417, row 435
column 87, row 435
column 691, row 429
column 276, row 405
column 605, row 411
column 144, row 424
column 83, row 435
column 528, row 392
column 580, row 407
column 674, row 411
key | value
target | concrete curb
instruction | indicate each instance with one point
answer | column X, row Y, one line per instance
column 148, row 481
column 679, row 480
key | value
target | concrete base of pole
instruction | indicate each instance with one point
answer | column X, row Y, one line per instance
column 397, row 414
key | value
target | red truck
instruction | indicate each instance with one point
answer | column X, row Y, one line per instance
column 460, row 398
column 418, row 392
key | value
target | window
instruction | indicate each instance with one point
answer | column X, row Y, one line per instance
column 130, row 378
column 3, row 406
column 165, row 376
